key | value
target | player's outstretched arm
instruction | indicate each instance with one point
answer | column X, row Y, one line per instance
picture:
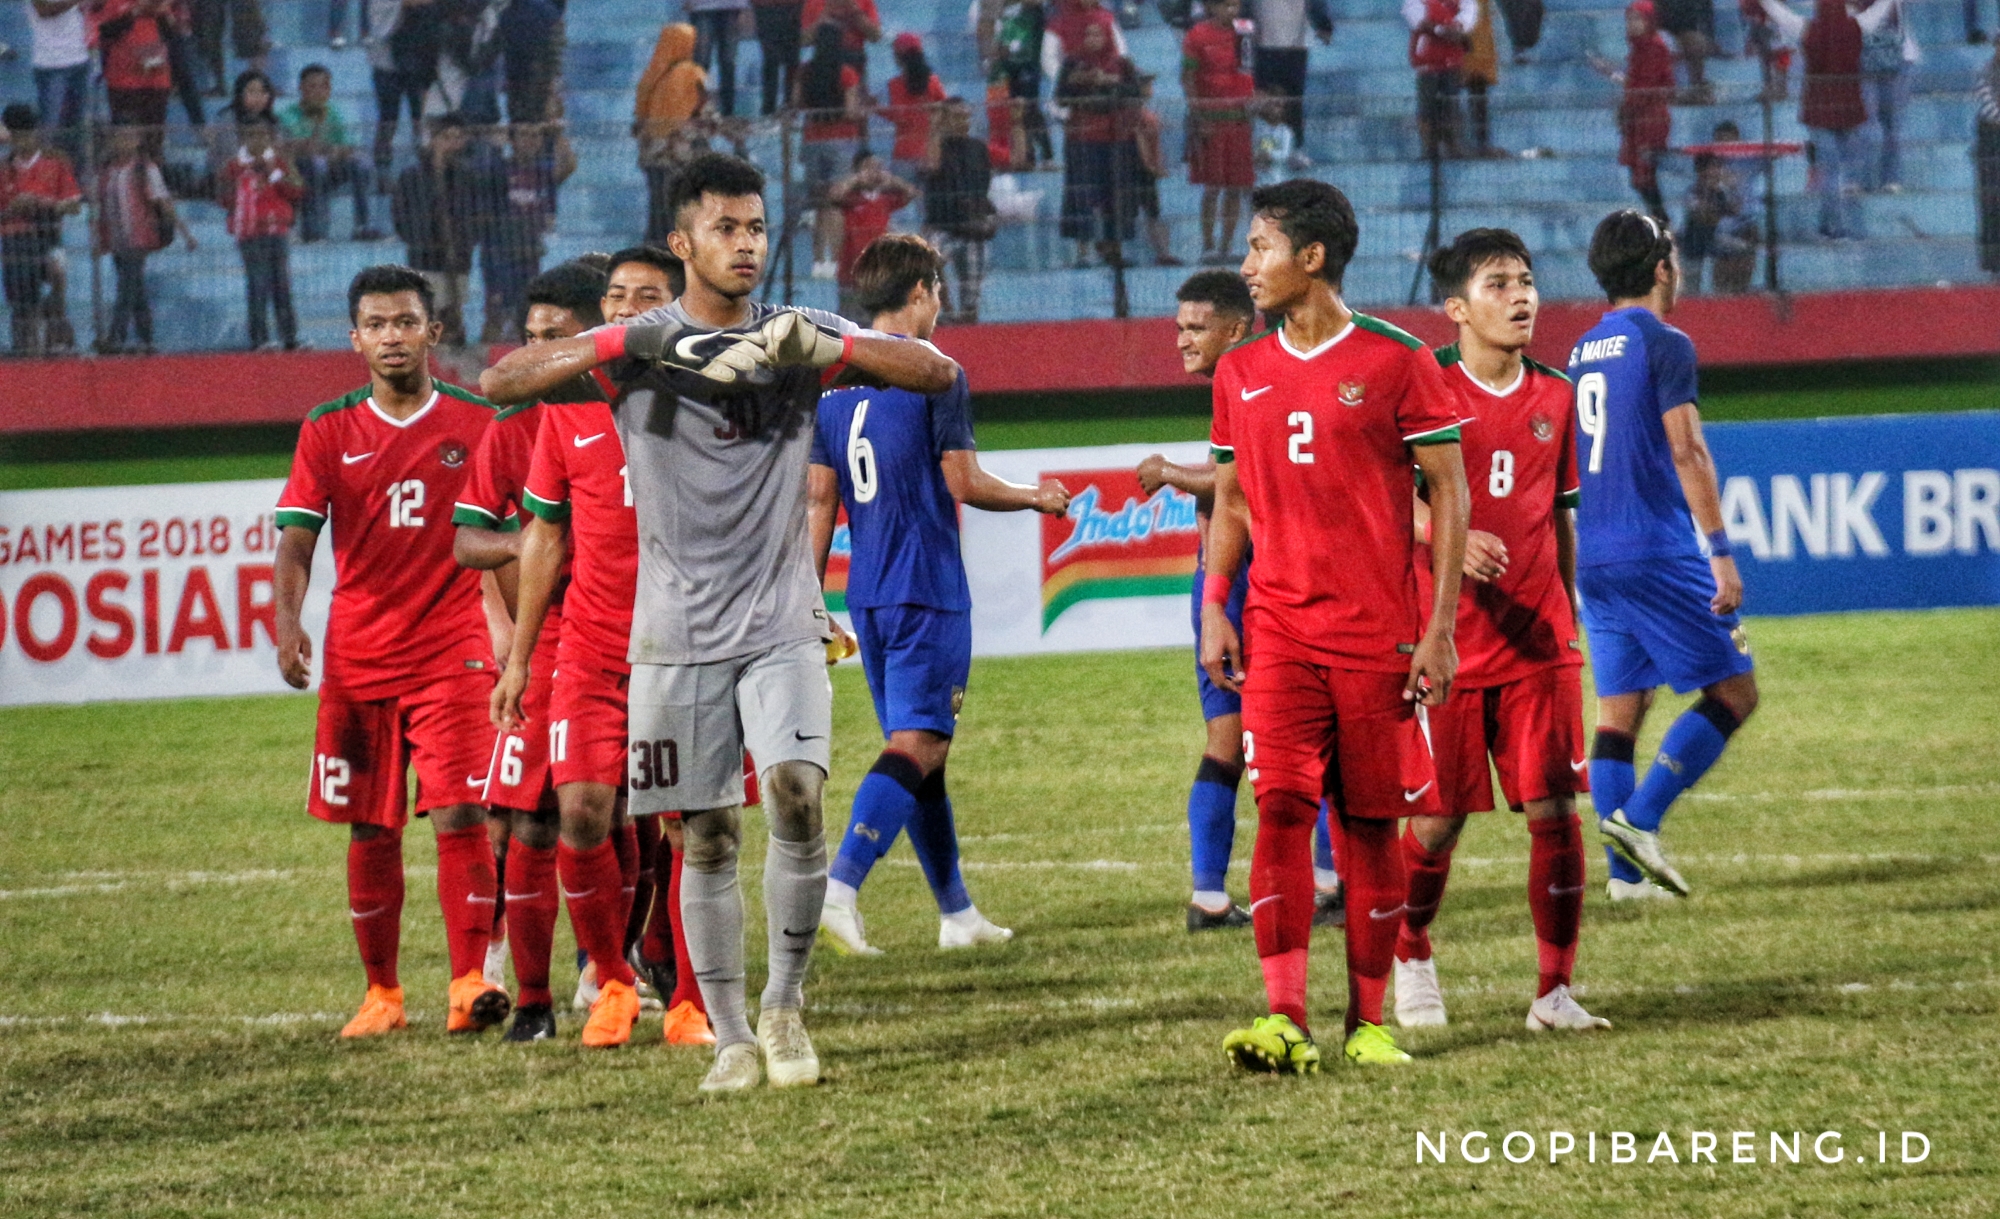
column 1228, row 538
column 1199, row 481
column 291, row 573
column 975, row 487
column 544, row 546
column 1434, row 664
column 790, row 338
column 1696, row 468
column 527, row 373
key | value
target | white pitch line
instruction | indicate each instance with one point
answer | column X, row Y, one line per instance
column 90, row 883
column 1045, row 865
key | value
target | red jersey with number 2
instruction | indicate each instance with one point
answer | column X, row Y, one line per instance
column 405, row 614
column 1520, row 465
column 1321, row 441
column 578, row 475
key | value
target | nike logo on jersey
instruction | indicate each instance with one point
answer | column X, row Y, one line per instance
column 1580, row 767
column 476, row 781
column 1410, row 797
column 586, row 441
column 347, row 460
column 1252, row 393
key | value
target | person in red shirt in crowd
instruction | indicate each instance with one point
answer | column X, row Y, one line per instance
column 915, row 94
column 408, row 664
column 836, row 113
column 131, row 37
column 1100, row 195
column 868, row 199
column 37, row 190
column 1439, row 33
column 858, row 21
column 135, row 219
column 1218, row 133
column 1831, row 105
column 1644, row 120
column 260, row 188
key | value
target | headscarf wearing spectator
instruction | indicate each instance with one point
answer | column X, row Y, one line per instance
column 241, row 109
column 1072, row 18
column 1831, row 100
column 673, row 87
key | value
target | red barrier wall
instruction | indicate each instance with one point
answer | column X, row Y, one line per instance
column 194, row 390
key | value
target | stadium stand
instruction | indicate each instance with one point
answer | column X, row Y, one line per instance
column 1361, row 131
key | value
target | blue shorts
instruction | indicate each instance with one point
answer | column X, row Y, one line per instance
column 916, row 659
column 1217, row 702
column 1650, row 625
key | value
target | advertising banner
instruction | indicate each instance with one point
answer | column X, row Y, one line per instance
column 143, row 592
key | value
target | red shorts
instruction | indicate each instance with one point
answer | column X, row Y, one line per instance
column 518, row 773
column 586, row 725
column 1532, row 727
column 1346, row 734
column 363, row 751
column 1221, row 155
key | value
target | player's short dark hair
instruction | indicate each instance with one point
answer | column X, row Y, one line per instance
column 1452, row 267
column 571, row 286
column 596, row 260
column 387, row 279
column 315, row 69
column 652, row 256
column 1626, row 247
column 712, row 173
column 1225, row 290
column 891, row 267
column 1307, row 211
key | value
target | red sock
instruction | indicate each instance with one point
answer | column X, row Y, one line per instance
column 625, row 841
column 1555, row 895
column 1281, row 897
column 531, row 890
column 686, row 989
column 1428, row 871
column 645, row 883
column 375, row 902
column 656, row 943
column 596, row 906
column 466, row 892
column 1371, row 862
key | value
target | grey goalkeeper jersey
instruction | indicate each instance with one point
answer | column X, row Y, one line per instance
column 718, row 479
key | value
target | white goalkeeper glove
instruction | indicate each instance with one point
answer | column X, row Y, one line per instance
column 791, row 338
column 723, row 356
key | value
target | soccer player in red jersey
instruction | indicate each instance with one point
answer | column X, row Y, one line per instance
column 562, row 303
column 1519, row 695
column 408, row 663
column 1317, row 424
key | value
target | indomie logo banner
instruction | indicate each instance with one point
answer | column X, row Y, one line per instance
column 1116, row 541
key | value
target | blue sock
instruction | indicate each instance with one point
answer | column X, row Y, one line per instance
column 883, row 805
column 1692, row 745
column 1211, row 815
column 1323, row 844
column 1611, row 780
column 934, row 835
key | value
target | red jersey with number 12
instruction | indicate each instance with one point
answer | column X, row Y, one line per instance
column 1321, row 441
column 1520, row 465
column 578, row 475
column 404, row 612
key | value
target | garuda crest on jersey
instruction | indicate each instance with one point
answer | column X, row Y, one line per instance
column 1351, row 391
column 1543, row 428
column 452, row 453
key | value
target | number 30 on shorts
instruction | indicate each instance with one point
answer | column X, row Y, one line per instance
column 654, row 764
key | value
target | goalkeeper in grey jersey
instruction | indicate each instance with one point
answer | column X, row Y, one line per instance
column 715, row 405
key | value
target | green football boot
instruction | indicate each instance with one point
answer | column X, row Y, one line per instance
column 1273, row 1043
column 1370, row 1045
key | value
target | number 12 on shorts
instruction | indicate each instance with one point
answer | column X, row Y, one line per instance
column 330, row 779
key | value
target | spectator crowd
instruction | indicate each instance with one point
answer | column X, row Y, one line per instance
column 469, row 149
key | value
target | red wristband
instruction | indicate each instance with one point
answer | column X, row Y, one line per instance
column 1215, row 589
column 846, row 348
column 610, row 342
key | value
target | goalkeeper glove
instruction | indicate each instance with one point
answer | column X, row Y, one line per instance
column 792, row 338
column 721, row 356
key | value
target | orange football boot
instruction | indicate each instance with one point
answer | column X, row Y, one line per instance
column 687, row 1024
column 381, row 1012
column 476, row 1004
column 612, row 1016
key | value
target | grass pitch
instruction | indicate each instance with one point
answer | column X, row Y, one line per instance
column 175, row 963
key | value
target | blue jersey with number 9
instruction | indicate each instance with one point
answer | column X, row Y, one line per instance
column 1629, row 371
column 885, row 445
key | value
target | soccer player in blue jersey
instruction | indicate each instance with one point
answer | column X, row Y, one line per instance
column 1656, row 611
column 1214, row 314
column 901, row 463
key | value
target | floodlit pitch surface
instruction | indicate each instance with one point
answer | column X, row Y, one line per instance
column 175, row 962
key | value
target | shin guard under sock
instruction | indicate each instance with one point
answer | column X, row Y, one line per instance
column 794, row 895
column 1281, row 897
column 1693, row 744
column 1555, row 896
column 1371, row 863
column 1428, row 871
column 883, row 805
column 934, row 837
column 1211, row 813
column 466, row 887
column 532, row 905
column 1611, row 782
column 712, row 913
column 591, row 885
column 375, row 902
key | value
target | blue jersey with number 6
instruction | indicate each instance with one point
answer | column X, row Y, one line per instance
column 1629, row 371
column 885, row 445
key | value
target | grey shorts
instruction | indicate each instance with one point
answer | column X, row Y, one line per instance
column 691, row 723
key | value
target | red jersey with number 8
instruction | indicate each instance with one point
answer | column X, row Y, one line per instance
column 1520, row 466
column 1321, row 442
column 405, row 614
column 578, row 475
